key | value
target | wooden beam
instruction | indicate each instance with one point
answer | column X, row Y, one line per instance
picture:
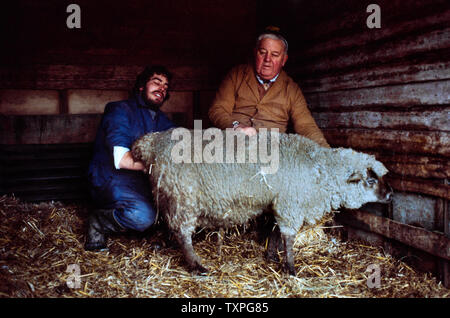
column 433, row 188
column 48, row 129
column 445, row 265
column 377, row 53
column 411, row 120
column 416, row 70
column 430, row 242
column 419, row 170
column 416, row 166
column 103, row 76
column 399, row 142
column 390, row 97
column 63, row 102
column 364, row 36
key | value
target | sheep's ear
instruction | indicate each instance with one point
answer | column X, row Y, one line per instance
column 355, row 177
column 378, row 168
column 371, row 173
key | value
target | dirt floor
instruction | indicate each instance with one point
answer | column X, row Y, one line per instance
column 42, row 255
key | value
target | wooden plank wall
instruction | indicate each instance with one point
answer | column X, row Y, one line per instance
column 53, row 70
column 55, row 81
column 37, row 172
column 43, row 89
column 387, row 92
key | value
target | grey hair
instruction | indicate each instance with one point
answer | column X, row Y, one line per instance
column 273, row 37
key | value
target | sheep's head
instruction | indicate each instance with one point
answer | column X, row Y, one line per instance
column 375, row 188
column 367, row 184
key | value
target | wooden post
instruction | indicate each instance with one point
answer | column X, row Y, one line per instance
column 444, row 267
column 63, row 102
column 431, row 242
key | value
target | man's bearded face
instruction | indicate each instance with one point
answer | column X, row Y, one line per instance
column 155, row 90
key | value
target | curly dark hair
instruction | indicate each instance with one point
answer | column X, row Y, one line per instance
column 147, row 73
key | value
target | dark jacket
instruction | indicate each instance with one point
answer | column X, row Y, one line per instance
column 122, row 123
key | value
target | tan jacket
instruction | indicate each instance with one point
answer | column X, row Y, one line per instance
column 238, row 99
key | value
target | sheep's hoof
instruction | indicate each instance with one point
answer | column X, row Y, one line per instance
column 198, row 269
column 290, row 269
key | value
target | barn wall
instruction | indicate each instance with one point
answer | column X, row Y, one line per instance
column 55, row 81
column 49, row 69
column 387, row 92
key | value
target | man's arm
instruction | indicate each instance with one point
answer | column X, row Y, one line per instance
column 224, row 101
column 304, row 123
column 127, row 162
column 117, row 126
column 223, row 105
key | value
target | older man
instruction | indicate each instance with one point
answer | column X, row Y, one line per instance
column 263, row 95
column 118, row 186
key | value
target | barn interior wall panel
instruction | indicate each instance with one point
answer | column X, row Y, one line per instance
column 387, row 92
column 56, row 81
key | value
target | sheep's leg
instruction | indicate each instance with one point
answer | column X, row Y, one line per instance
column 192, row 259
column 288, row 240
column 275, row 245
column 220, row 236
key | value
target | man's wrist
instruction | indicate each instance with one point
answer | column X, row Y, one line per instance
column 138, row 165
column 235, row 124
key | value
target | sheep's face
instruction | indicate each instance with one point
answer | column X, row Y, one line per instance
column 367, row 187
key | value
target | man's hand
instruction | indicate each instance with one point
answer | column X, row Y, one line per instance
column 128, row 162
column 249, row 131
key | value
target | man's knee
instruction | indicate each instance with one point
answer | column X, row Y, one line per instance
column 146, row 217
column 138, row 216
column 131, row 203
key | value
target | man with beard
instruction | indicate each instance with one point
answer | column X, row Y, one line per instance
column 118, row 186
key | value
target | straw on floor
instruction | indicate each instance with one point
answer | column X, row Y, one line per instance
column 42, row 255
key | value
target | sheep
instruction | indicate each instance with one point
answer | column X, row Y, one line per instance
column 309, row 183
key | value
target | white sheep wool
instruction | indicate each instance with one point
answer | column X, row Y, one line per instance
column 310, row 181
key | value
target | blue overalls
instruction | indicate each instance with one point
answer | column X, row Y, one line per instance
column 125, row 191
